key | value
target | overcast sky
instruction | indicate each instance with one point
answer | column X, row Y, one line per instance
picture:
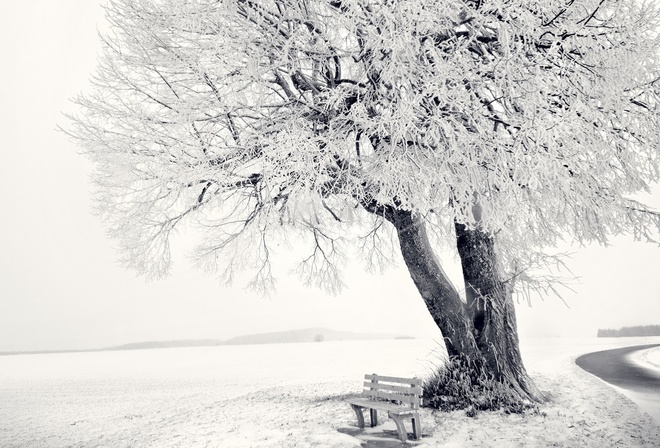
column 60, row 285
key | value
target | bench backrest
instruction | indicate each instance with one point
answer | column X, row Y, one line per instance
column 403, row 390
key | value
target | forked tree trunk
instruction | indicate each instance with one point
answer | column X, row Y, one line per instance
column 483, row 330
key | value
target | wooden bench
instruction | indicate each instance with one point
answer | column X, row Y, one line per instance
column 399, row 397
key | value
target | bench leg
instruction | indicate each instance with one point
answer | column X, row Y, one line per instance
column 417, row 427
column 401, row 429
column 374, row 417
column 360, row 415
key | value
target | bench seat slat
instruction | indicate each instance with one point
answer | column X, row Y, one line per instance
column 393, row 379
column 383, row 406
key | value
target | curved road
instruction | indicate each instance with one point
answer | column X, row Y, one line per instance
column 615, row 367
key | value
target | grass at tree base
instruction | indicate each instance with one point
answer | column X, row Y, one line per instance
column 461, row 385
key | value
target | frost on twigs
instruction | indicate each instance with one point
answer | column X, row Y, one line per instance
column 496, row 129
column 251, row 119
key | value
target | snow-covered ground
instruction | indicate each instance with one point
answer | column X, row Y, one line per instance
column 649, row 358
column 647, row 401
column 293, row 395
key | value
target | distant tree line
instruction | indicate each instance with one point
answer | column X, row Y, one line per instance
column 638, row 330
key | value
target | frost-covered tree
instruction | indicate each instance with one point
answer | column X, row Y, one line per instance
column 494, row 126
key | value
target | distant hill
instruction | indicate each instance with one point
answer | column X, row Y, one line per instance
column 280, row 337
column 308, row 335
column 166, row 344
column 44, row 352
column 132, row 346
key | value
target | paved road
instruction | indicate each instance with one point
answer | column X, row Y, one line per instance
column 614, row 367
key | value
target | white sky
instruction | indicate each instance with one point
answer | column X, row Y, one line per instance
column 60, row 286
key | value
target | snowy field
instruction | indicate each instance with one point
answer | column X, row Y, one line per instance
column 293, row 395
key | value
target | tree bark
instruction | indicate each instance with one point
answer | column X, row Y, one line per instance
column 439, row 294
column 483, row 329
column 491, row 308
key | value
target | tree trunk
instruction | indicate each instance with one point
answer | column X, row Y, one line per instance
column 439, row 294
column 483, row 330
column 493, row 314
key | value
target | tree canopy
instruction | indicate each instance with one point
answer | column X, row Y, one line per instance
column 529, row 120
column 498, row 127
